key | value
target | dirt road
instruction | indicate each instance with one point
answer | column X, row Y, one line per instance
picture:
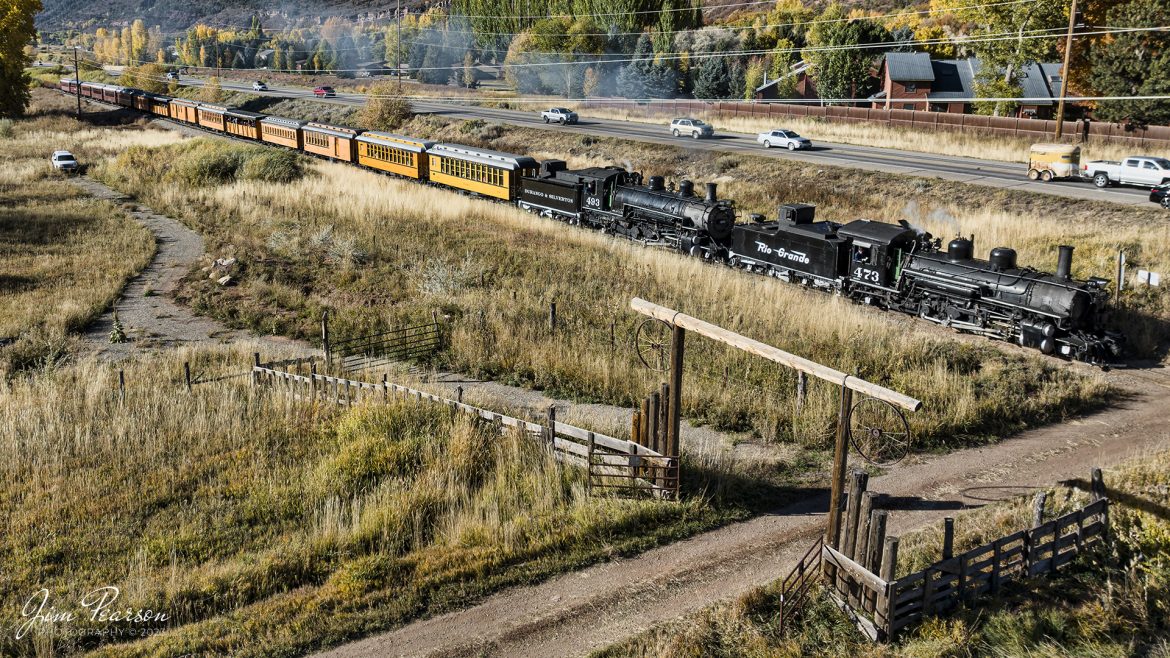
column 576, row 613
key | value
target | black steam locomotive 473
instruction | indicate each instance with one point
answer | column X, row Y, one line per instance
column 891, row 266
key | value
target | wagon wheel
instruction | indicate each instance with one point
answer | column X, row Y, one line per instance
column 879, row 432
column 652, row 341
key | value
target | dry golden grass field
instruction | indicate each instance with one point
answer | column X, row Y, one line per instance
column 263, row 527
column 65, row 256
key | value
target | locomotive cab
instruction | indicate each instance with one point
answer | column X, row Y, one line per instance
column 876, row 252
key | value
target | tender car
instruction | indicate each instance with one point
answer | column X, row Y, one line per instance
column 1161, row 195
column 63, row 161
column 324, row 92
column 559, row 115
column 259, row 86
column 1134, row 170
column 784, row 139
column 691, row 127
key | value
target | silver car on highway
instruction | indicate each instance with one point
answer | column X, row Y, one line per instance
column 785, row 139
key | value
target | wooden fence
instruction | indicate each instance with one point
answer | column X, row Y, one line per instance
column 1038, row 129
column 379, row 349
column 613, row 465
column 882, row 606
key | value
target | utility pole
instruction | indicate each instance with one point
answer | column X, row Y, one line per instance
column 1072, row 24
column 77, row 79
column 398, row 50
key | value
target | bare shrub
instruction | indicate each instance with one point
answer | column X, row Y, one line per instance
column 385, row 109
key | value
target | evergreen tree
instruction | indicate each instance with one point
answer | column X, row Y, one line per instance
column 713, row 79
column 17, row 30
column 1135, row 64
column 643, row 78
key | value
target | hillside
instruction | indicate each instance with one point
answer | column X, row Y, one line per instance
column 174, row 15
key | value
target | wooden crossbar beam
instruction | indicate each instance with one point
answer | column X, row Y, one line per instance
column 774, row 354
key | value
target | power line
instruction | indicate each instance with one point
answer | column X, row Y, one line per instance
column 996, row 37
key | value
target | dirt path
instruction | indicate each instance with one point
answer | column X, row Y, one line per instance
column 576, row 613
column 154, row 320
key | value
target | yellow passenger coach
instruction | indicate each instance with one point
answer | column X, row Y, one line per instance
column 405, row 156
column 483, row 172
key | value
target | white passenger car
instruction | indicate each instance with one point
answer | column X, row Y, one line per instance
column 784, row 139
column 63, row 161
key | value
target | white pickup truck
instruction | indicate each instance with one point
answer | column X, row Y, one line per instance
column 559, row 115
column 1137, row 170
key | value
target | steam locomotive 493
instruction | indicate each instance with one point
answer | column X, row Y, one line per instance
column 892, row 266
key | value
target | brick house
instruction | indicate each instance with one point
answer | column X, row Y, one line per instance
column 913, row 81
column 804, row 88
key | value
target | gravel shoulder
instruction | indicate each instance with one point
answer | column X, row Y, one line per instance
column 577, row 613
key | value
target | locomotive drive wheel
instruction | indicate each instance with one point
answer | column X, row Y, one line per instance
column 1033, row 174
column 652, row 341
column 879, row 432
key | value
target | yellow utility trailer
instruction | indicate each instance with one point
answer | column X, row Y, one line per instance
column 1049, row 161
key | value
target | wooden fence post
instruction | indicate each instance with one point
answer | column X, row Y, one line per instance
column 122, row 386
column 589, row 464
column 459, row 394
column 948, row 549
column 652, row 435
column 889, row 570
column 325, row 339
column 1096, row 484
column 861, row 542
column 313, row 381
column 551, row 431
column 187, row 374
column 552, row 317
column 385, row 389
column 255, row 364
column 1038, row 509
column 801, row 387
column 840, row 458
column 676, row 378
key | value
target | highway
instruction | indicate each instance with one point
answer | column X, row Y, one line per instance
column 989, row 173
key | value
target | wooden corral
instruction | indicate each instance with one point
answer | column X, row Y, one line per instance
column 881, row 606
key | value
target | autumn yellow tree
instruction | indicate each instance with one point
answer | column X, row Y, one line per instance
column 17, row 30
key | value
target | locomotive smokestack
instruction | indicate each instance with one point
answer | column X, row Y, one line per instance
column 657, row 183
column 1064, row 263
column 711, row 197
column 686, row 188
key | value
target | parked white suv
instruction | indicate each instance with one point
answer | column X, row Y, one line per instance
column 1136, row 170
column 692, row 128
column 784, row 139
column 63, row 161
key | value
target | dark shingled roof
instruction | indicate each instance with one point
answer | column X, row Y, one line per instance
column 914, row 67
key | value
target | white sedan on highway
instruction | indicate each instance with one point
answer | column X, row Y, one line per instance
column 785, row 139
